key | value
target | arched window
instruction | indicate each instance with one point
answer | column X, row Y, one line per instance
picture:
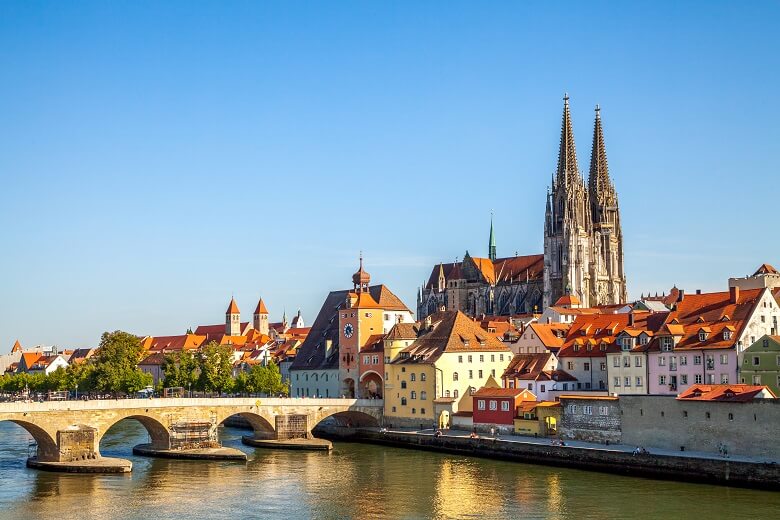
column 316, row 377
column 422, row 376
column 455, row 394
column 403, row 401
column 446, row 393
column 454, row 376
column 403, row 384
column 413, row 377
column 414, row 395
column 326, row 378
column 307, row 377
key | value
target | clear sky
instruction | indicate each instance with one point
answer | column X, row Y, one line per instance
column 157, row 157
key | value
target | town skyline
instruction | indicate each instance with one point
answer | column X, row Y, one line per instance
column 146, row 211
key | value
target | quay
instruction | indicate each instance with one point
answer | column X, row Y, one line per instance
column 686, row 466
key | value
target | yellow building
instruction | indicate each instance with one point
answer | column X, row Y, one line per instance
column 444, row 358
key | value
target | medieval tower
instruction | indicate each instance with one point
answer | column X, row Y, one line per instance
column 583, row 242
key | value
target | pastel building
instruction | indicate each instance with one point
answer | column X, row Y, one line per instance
column 703, row 335
column 760, row 363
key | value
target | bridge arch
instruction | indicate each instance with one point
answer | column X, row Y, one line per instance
column 158, row 432
column 347, row 418
column 260, row 424
column 47, row 445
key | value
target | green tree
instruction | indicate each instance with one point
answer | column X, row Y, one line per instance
column 216, row 368
column 182, row 369
column 116, row 363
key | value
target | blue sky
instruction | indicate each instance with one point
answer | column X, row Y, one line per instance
column 157, row 157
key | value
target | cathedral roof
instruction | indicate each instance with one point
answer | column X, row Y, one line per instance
column 233, row 307
column 568, row 171
column 513, row 268
column 599, row 183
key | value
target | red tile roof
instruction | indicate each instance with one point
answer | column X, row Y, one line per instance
column 568, row 299
column 261, row 309
column 729, row 393
column 499, row 392
column 233, row 307
column 765, row 269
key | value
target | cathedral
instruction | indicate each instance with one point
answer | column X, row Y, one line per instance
column 583, row 248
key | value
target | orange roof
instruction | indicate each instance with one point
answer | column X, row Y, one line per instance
column 485, row 266
column 233, row 307
column 30, row 358
column 17, row 347
column 730, row 393
column 550, row 334
column 260, row 309
column 364, row 300
column 589, row 332
column 765, row 269
column 501, row 392
column 568, row 299
column 173, row 343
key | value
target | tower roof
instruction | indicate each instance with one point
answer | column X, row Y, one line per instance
column 233, row 307
column 361, row 277
column 568, row 171
column 261, row 309
column 17, row 347
column 599, row 182
column 492, row 240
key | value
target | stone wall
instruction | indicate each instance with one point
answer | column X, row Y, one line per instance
column 748, row 429
column 602, row 424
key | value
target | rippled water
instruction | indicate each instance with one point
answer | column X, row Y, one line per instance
column 353, row 481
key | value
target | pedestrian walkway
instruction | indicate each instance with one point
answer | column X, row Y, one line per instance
column 520, row 439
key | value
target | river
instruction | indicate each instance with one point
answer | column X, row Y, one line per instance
column 353, row 481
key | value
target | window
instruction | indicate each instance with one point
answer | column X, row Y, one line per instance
column 460, row 359
column 493, row 372
column 628, row 381
column 756, row 361
column 778, row 361
column 375, row 359
column 414, row 410
column 423, row 377
column 724, row 359
column 454, row 376
column 481, row 358
column 403, row 401
column 455, row 394
column 603, row 366
column 469, row 358
column 603, row 410
column 697, row 379
column 710, row 362
column 666, row 343
column 446, row 393
column 683, row 360
column 366, row 360
column 684, row 379
column 393, row 408
column 492, row 358
column 662, row 380
column 471, row 374
column 726, row 334
column 637, row 361
column 661, row 361
column 638, row 381
column 541, row 388
column 504, row 406
column 423, row 395
column 572, row 408
column 617, row 381
column 493, row 405
column 731, row 417
column 570, row 365
column 413, row 377
column 480, row 374
column 616, row 362
column 697, row 360
column 586, row 366
column 500, row 357
column 724, row 379
column 587, row 410
column 702, row 336
column 413, row 395
column 403, row 384
column 757, row 380
column 707, row 415
column 422, row 411
column 626, row 361
column 625, row 344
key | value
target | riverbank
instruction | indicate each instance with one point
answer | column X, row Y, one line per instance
column 688, row 467
column 99, row 465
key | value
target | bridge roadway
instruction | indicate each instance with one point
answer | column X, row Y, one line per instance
column 71, row 430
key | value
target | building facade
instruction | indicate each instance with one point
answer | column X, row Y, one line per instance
column 760, row 363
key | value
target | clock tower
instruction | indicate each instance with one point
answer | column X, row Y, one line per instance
column 360, row 317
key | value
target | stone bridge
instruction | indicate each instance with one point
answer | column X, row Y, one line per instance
column 72, row 430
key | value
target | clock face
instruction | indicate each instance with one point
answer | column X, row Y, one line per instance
column 348, row 330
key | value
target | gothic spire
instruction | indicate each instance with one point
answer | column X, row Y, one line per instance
column 568, row 171
column 599, row 184
column 492, row 241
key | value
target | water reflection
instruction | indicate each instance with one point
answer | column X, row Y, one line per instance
column 354, row 481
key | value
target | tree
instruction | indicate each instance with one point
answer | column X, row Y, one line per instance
column 216, row 368
column 116, row 363
column 266, row 379
column 181, row 369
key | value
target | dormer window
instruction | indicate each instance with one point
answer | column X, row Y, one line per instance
column 727, row 334
column 590, row 347
column 576, row 348
column 702, row 336
column 603, row 347
column 666, row 343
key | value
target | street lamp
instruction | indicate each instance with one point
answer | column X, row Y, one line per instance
column 435, row 419
column 189, row 389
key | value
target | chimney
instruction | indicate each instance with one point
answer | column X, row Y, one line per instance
column 428, row 322
column 442, row 308
column 733, row 294
column 630, row 319
column 680, row 295
column 698, row 291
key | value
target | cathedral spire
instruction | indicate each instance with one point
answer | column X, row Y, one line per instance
column 568, row 172
column 599, row 184
column 492, row 241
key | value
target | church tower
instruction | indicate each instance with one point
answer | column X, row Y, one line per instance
column 492, row 241
column 260, row 322
column 567, row 225
column 233, row 319
column 607, row 273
